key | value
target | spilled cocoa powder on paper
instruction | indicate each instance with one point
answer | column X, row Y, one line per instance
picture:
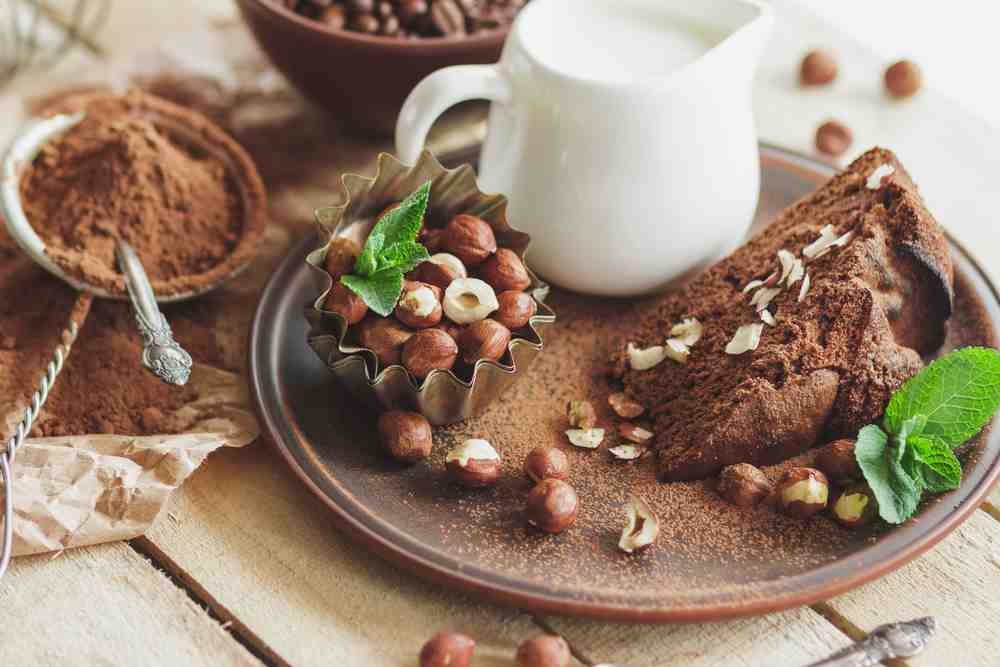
column 121, row 174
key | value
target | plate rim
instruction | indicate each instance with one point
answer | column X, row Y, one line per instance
column 504, row 594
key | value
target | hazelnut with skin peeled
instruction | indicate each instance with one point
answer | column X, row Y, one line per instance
column 505, row 271
column 855, row 506
column 345, row 302
column 469, row 300
column 485, row 339
column 469, row 238
column 744, row 485
column 552, row 506
column 448, row 649
column 803, row 492
column 474, row 464
column 441, row 270
column 546, row 463
column 544, row 651
column 385, row 337
column 341, row 257
column 429, row 350
column 405, row 435
column 838, row 462
column 419, row 305
column 516, row 309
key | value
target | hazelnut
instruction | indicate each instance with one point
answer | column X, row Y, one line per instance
column 429, row 350
column 546, row 463
column 624, row 406
column 585, row 438
column 838, row 462
column 544, row 651
column 474, row 464
column 468, row 300
column 485, row 339
column 384, row 336
column 448, row 649
column 343, row 301
column 432, row 239
column 405, row 435
column 387, row 210
column 469, row 238
column 802, row 492
column 744, row 485
column 903, row 79
column 341, row 256
column 634, row 433
column 855, row 506
column 641, row 526
column 581, row 414
column 419, row 305
column 516, row 309
column 505, row 271
column 441, row 270
column 833, row 138
column 450, row 328
column 552, row 506
column 818, row 68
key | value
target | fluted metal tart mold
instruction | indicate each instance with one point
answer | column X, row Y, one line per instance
column 443, row 397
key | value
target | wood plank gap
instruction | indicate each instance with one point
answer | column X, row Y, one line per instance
column 991, row 509
column 846, row 626
column 548, row 629
column 57, row 17
column 230, row 623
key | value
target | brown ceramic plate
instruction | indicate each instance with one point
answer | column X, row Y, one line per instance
column 712, row 561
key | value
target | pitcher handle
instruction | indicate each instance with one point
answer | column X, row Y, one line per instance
column 439, row 91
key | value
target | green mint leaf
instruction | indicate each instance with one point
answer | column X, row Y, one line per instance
column 958, row 394
column 940, row 469
column 403, row 256
column 367, row 262
column 380, row 290
column 912, row 426
column 402, row 224
column 913, row 467
column 895, row 490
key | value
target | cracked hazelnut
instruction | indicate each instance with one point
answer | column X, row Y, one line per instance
column 448, row 649
column 803, row 492
column 406, row 436
column 581, row 414
column 818, row 68
column 485, row 339
column 429, row 350
column 346, row 303
column 419, row 305
column 544, row 651
column 552, row 506
column 441, row 270
column 634, row 433
column 341, row 256
column 516, row 309
column 470, row 239
column 474, row 463
column 641, row 526
column 744, row 485
column 903, row 79
column 505, row 271
column 837, row 461
column 624, row 406
column 468, row 300
column 385, row 337
column 546, row 463
column 855, row 506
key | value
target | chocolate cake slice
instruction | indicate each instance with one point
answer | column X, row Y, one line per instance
column 863, row 291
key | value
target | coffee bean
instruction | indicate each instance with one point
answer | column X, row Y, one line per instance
column 447, row 18
column 903, row 79
column 818, row 69
column 833, row 138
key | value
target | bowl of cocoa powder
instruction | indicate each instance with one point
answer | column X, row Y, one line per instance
column 359, row 59
column 173, row 185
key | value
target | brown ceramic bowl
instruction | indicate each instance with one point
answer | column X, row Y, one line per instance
column 362, row 79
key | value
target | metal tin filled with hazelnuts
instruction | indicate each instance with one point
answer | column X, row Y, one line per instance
column 468, row 323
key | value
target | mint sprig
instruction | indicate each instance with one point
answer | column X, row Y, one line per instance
column 937, row 410
column 391, row 250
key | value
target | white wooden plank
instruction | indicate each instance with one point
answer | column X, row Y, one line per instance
column 105, row 605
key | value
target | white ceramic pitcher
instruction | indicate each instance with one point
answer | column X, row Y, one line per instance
column 622, row 131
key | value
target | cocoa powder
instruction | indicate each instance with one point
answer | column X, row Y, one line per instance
column 126, row 172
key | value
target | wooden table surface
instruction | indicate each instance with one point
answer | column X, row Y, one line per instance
column 247, row 568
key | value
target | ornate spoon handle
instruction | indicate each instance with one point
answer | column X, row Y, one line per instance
column 894, row 640
column 161, row 353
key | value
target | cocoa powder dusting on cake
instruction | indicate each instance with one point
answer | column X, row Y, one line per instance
column 121, row 174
